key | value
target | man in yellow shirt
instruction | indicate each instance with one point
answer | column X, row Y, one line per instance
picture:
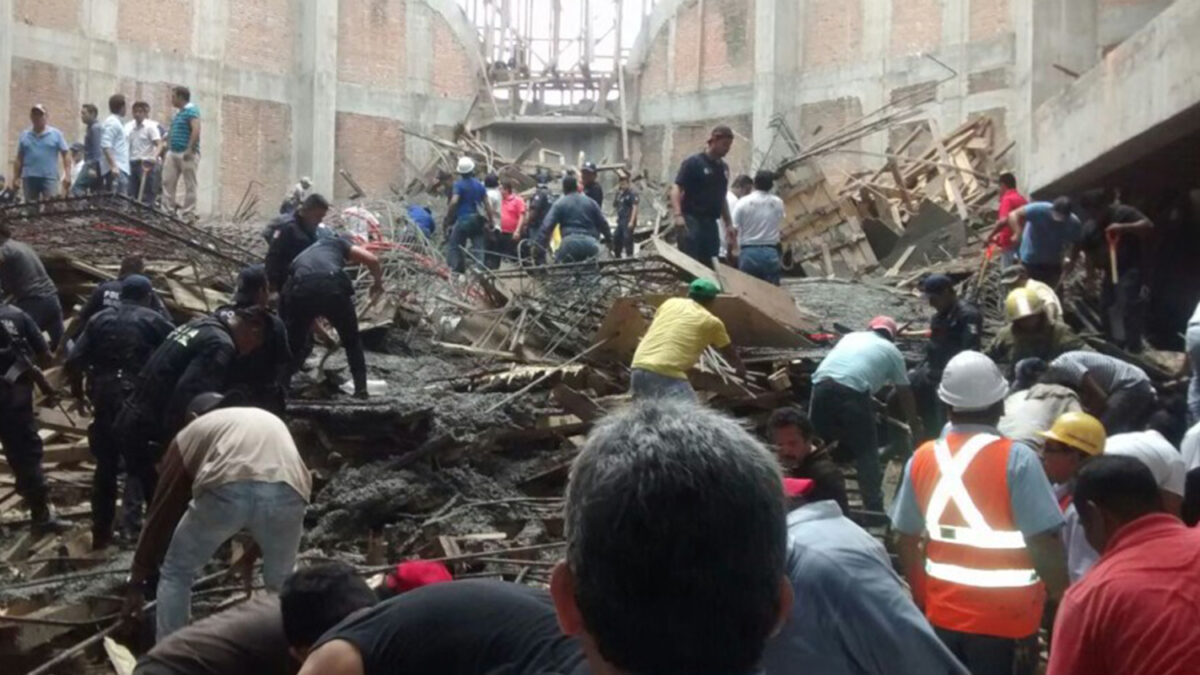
column 682, row 329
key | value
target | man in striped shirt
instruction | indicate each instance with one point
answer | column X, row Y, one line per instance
column 1119, row 393
column 183, row 154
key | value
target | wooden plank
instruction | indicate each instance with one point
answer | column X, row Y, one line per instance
column 56, row 419
column 900, row 263
column 576, row 403
column 69, row 453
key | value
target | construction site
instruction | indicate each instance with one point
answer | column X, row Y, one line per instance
column 885, row 123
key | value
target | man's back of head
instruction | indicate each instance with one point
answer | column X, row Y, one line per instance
column 1111, row 491
column 315, row 599
column 676, row 543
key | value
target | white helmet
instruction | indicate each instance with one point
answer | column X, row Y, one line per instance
column 972, row 382
column 466, row 165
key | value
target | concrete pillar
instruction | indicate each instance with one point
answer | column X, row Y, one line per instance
column 668, row 137
column 6, row 40
column 876, row 50
column 316, row 93
column 97, row 80
column 210, row 21
column 952, row 95
column 777, row 49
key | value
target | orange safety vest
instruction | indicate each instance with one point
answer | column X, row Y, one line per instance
column 980, row 578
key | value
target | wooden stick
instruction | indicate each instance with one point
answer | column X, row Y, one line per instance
column 545, row 376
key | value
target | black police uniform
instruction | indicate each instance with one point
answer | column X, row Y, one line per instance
column 262, row 375
column 595, row 193
column 286, row 238
column 112, row 348
column 953, row 330
column 318, row 286
column 623, row 238
column 21, row 339
column 195, row 358
column 539, row 206
column 108, row 296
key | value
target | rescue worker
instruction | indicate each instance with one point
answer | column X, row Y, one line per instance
column 21, row 341
column 196, row 357
column 680, row 332
column 1117, row 392
column 1016, row 276
column 842, row 406
column 1032, row 405
column 1046, row 232
column 626, row 205
column 108, row 294
column 956, row 326
column 1030, row 332
column 590, row 186
column 290, row 234
column 990, row 526
column 1075, row 438
column 1129, row 236
column 469, row 217
column 23, row 277
column 317, row 286
column 531, row 224
column 113, row 346
column 262, row 376
column 580, row 223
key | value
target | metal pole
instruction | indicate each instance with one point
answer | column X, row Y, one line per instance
column 619, row 63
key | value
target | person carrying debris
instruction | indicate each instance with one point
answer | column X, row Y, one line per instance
column 579, row 221
column 984, row 510
column 20, row 342
column 757, row 220
column 288, row 235
column 318, row 286
column 470, row 215
column 698, row 199
column 1030, row 333
column 626, row 205
column 843, row 408
column 801, row 456
column 955, row 327
column 1117, row 392
column 113, row 346
column 1016, row 276
column 230, row 468
column 195, row 358
column 261, row 376
column 1072, row 442
column 23, row 276
column 1047, row 232
column 680, row 332
column 1123, row 237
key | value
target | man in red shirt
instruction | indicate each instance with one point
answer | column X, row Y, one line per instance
column 1135, row 611
column 512, row 208
column 1010, row 200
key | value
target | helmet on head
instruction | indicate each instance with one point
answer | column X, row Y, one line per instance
column 972, row 382
column 1023, row 302
column 884, row 323
column 466, row 165
column 1080, row 431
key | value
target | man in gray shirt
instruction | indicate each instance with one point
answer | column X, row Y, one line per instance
column 580, row 222
column 1117, row 392
column 757, row 219
column 23, row 276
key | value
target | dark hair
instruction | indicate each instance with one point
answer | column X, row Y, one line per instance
column 764, row 180
column 315, row 201
column 570, row 184
column 91, row 109
column 1170, row 426
column 491, row 180
column 116, row 103
column 315, row 599
column 1062, row 205
column 721, row 131
column 1008, row 180
column 131, row 264
column 509, row 185
column 182, row 92
column 791, row 416
column 1121, row 485
column 743, row 181
column 142, row 105
column 676, row 539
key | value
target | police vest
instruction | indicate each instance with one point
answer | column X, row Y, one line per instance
column 980, row 576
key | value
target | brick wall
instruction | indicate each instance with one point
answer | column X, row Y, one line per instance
column 989, row 19
column 654, row 73
column 60, row 14
column 371, row 42
column 454, row 74
column 372, row 149
column 650, row 145
column 159, row 24
column 815, row 121
column 256, row 145
column 56, row 88
column 157, row 94
column 691, row 138
column 916, row 26
column 832, row 32
column 262, row 35
column 688, row 49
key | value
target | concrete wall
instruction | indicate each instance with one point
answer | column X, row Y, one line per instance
column 285, row 87
column 819, row 64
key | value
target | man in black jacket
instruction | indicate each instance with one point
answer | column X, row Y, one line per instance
column 794, row 438
column 288, row 235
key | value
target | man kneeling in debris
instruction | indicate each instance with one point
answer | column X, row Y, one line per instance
column 1117, row 392
column 230, row 468
column 579, row 221
column 676, row 543
column 682, row 329
column 1030, row 332
column 795, row 441
column 261, row 376
column 317, row 286
column 266, row 635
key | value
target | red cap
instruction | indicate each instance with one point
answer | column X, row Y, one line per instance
column 884, row 323
column 417, row 573
column 797, row 487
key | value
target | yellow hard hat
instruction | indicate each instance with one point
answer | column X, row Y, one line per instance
column 1078, row 430
column 1022, row 302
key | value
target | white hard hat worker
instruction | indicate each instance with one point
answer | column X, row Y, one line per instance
column 466, row 166
column 971, row 382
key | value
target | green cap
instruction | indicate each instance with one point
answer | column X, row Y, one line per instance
column 703, row 289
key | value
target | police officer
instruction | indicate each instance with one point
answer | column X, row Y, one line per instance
column 591, row 187
column 196, row 357
column 539, row 206
column 290, row 234
column 111, row 349
column 261, row 376
column 318, row 286
column 956, row 326
column 108, row 294
column 20, row 340
column 23, row 276
column 626, row 204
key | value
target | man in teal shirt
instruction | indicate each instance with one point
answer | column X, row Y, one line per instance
column 183, row 154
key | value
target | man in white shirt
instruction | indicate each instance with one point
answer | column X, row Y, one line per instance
column 739, row 188
column 145, row 145
column 114, row 147
column 757, row 220
column 1161, row 457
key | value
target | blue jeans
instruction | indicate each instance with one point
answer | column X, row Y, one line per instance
column 703, row 241
column 761, row 262
column 39, row 188
column 468, row 229
column 577, row 248
column 648, row 385
column 149, row 170
column 273, row 513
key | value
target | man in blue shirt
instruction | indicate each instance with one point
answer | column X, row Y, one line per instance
column 42, row 160
column 114, row 146
column 1046, row 232
column 580, row 223
column 183, row 154
column 89, row 176
column 464, row 212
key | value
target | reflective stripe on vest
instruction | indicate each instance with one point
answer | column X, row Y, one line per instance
column 977, row 533
column 981, row 578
